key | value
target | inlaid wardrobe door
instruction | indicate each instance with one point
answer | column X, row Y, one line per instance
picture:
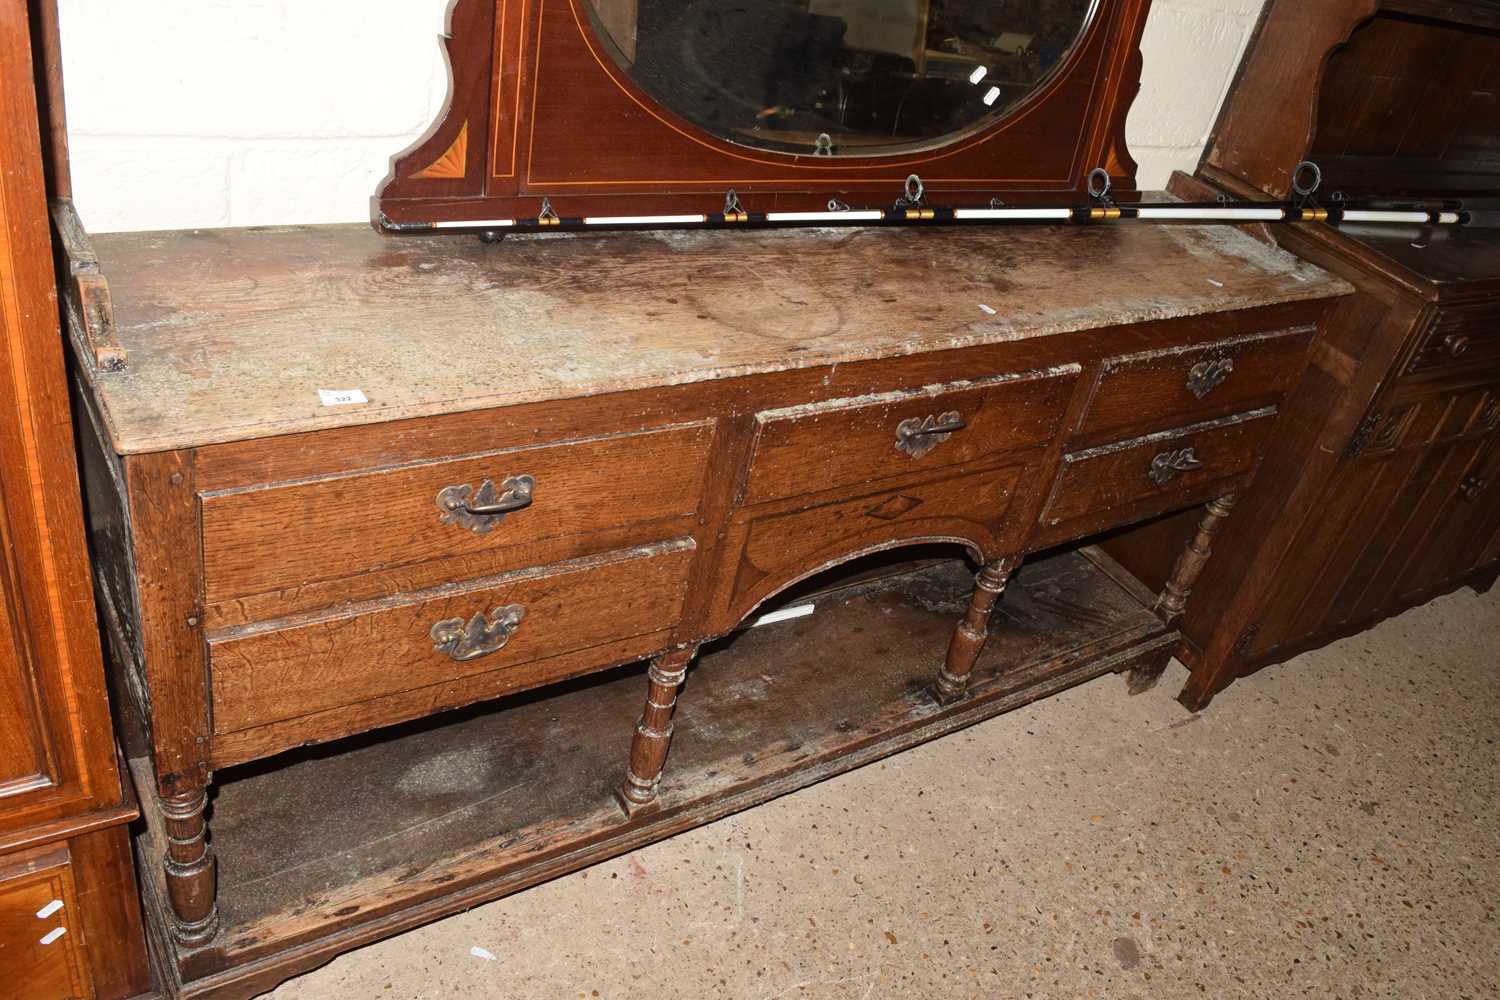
column 25, row 757
column 56, row 752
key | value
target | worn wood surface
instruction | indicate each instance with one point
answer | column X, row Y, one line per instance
column 166, row 536
column 232, row 333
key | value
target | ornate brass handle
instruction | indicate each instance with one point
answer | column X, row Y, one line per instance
column 1206, row 376
column 1169, row 463
column 480, row 635
column 918, row 435
column 1473, row 487
column 480, row 510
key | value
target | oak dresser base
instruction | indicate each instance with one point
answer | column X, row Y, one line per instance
column 1069, row 618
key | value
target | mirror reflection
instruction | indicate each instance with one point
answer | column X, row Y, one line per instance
column 842, row 77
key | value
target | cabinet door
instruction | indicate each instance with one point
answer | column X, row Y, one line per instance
column 1383, row 575
column 56, row 752
column 1463, row 528
column 41, row 947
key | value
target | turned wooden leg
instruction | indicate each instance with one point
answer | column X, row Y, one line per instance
column 653, row 735
column 189, row 865
column 1172, row 602
column 968, row 639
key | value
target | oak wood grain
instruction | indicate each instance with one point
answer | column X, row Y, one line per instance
column 1112, row 484
column 845, row 442
column 772, row 546
column 1140, row 393
column 298, row 534
column 273, row 672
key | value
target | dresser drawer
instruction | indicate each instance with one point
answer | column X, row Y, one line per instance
column 1140, row 393
column 42, row 948
column 290, row 535
column 845, row 442
column 776, row 544
column 264, row 673
column 1463, row 339
column 1116, row 484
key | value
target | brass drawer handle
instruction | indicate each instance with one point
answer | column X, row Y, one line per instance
column 1455, row 345
column 480, row 636
column 1166, row 465
column 480, row 510
column 1206, row 376
column 1473, row 487
column 918, row 435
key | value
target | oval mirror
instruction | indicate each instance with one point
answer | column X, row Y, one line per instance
column 840, row 77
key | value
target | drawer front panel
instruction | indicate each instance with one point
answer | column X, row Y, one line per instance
column 779, row 544
column 1139, row 393
column 287, row 536
column 1115, row 484
column 42, row 956
column 264, row 674
column 805, row 449
column 1463, row 339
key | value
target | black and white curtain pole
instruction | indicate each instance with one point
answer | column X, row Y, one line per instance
column 913, row 208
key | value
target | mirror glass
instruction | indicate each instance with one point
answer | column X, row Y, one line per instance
column 842, row 77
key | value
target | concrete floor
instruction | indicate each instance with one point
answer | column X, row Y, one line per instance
column 1327, row 828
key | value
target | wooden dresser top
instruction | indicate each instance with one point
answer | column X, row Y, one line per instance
column 231, row 333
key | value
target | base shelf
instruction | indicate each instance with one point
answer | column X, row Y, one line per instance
column 326, row 849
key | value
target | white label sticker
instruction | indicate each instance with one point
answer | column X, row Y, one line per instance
column 341, row 397
column 54, row 934
column 483, row 953
column 49, row 909
column 987, row 310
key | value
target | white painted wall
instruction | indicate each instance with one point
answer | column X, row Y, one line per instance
column 203, row 113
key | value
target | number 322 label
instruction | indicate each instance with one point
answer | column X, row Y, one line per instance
column 341, row 397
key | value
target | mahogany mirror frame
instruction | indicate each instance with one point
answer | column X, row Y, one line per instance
column 514, row 132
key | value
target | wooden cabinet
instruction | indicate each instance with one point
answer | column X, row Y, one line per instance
column 512, row 515
column 1377, row 491
column 69, row 918
column 39, row 928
